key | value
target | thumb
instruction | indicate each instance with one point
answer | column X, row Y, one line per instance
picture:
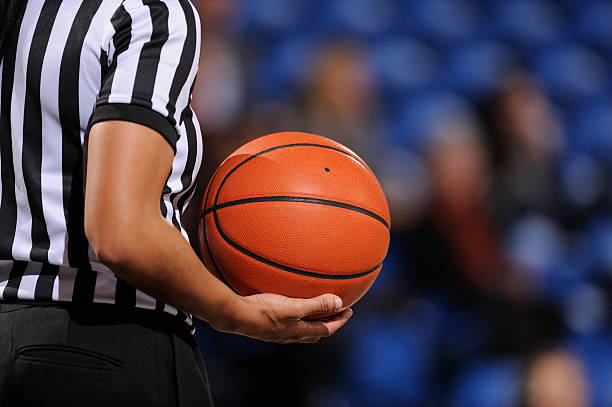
column 321, row 304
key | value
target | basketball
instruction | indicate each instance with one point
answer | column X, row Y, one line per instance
column 295, row 214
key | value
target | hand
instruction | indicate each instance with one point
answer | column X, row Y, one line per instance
column 275, row 318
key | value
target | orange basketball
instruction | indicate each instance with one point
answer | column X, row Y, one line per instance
column 295, row 214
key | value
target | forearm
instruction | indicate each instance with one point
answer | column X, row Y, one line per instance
column 154, row 257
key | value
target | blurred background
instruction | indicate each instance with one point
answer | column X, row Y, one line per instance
column 489, row 125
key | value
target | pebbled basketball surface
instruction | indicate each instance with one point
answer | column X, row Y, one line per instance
column 295, row 214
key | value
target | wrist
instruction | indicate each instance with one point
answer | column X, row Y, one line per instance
column 228, row 314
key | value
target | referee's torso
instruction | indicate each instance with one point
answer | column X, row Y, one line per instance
column 66, row 65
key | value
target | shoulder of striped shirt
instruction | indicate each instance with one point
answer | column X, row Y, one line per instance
column 127, row 10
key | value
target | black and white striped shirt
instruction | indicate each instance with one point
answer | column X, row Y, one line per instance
column 66, row 65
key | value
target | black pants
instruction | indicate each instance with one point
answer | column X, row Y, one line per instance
column 97, row 355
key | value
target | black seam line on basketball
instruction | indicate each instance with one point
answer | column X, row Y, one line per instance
column 262, row 259
column 298, row 199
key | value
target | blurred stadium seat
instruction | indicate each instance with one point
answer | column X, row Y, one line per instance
column 528, row 23
column 596, row 352
column 390, row 360
column 591, row 129
column 276, row 16
column 360, row 17
column 422, row 113
column 572, row 73
column 477, row 68
column 281, row 70
column 488, row 383
column 592, row 25
column 445, row 21
column 600, row 245
column 584, row 180
column 405, row 65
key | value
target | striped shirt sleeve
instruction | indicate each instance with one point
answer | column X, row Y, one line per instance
column 147, row 64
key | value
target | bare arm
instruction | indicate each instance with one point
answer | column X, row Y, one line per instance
column 127, row 167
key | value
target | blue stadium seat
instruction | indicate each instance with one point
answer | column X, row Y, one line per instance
column 390, row 357
column 585, row 308
column 537, row 244
column 359, row 17
column 419, row 116
column 276, row 16
column 583, row 180
column 600, row 245
column 477, row 68
column 562, row 280
column 282, row 69
column 445, row 21
column 405, row 64
column 572, row 73
column 593, row 25
column 488, row 383
column 465, row 332
column 528, row 23
column 596, row 353
column 591, row 129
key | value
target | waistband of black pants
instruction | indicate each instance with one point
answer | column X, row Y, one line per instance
column 109, row 314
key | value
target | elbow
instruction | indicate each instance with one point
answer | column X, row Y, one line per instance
column 111, row 254
column 109, row 240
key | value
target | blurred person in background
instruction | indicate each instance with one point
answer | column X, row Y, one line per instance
column 457, row 245
column 341, row 99
column 556, row 378
column 458, row 257
column 220, row 93
column 526, row 140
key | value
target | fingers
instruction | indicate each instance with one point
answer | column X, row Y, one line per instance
column 302, row 307
column 338, row 321
column 312, row 331
column 277, row 318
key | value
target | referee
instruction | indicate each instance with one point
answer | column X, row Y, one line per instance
column 99, row 150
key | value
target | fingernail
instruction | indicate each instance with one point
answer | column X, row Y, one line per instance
column 338, row 303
